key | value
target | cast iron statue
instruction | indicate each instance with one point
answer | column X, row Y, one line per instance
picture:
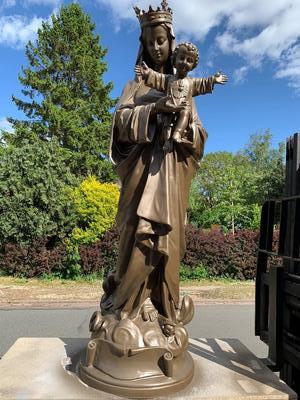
column 138, row 344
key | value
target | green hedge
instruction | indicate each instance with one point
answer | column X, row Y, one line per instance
column 208, row 254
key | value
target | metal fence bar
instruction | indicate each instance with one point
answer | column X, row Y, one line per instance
column 277, row 318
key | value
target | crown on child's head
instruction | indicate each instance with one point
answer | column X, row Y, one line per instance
column 161, row 15
column 190, row 47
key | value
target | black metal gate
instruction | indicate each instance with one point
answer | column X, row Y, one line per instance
column 277, row 303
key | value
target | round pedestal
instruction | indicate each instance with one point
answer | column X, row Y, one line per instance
column 152, row 380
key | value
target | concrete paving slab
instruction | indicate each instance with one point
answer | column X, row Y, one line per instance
column 44, row 368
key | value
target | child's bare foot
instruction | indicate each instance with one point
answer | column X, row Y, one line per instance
column 177, row 137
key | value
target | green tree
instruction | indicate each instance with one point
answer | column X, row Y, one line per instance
column 230, row 189
column 218, row 191
column 34, row 199
column 268, row 166
column 66, row 97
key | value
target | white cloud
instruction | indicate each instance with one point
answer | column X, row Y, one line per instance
column 16, row 30
column 275, row 39
column 289, row 67
column 254, row 30
column 5, row 125
column 240, row 74
column 271, row 41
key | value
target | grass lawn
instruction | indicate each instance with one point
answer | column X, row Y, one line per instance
column 58, row 293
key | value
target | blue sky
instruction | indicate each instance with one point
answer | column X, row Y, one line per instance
column 255, row 42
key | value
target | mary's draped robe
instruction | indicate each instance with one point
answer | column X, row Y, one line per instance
column 153, row 202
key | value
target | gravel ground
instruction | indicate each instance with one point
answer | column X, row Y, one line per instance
column 34, row 293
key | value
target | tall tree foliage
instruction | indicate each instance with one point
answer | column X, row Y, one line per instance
column 230, row 188
column 34, row 193
column 268, row 167
column 66, row 97
column 218, row 192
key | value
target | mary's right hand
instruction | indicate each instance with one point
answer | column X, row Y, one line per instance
column 164, row 105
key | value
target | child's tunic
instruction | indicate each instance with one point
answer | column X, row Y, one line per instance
column 179, row 90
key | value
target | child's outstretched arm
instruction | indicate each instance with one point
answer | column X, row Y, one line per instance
column 206, row 85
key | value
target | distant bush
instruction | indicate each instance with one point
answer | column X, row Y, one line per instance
column 208, row 254
column 96, row 207
column 103, row 253
column 194, row 273
column 223, row 255
column 42, row 257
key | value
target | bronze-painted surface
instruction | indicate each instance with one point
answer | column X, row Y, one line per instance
column 139, row 344
column 179, row 90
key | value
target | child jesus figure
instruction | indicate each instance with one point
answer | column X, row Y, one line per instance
column 179, row 88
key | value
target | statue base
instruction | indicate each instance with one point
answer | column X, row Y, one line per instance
column 141, row 374
column 141, row 355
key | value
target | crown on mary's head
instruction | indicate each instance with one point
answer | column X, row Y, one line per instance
column 161, row 15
